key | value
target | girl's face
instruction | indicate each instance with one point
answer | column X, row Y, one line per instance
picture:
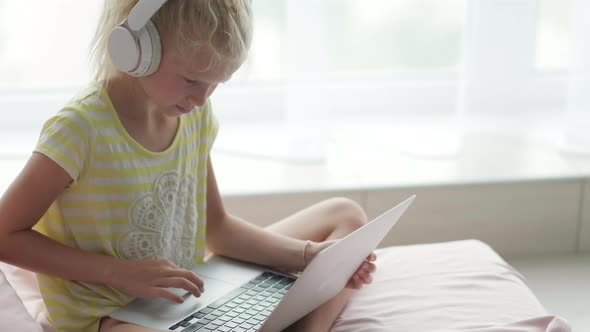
column 181, row 84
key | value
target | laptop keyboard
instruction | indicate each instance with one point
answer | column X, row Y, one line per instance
column 243, row 309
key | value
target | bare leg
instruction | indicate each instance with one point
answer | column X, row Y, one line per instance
column 327, row 220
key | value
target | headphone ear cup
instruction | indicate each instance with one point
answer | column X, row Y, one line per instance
column 156, row 47
column 151, row 50
column 123, row 49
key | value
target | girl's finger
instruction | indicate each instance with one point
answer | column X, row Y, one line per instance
column 358, row 281
column 179, row 282
column 362, row 275
column 166, row 294
column 193, row 278
column 369, row 267
column 367, row 279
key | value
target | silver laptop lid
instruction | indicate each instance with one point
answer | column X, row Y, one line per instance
column 327, row 274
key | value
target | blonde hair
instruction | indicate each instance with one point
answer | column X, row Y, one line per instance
column 225, row 26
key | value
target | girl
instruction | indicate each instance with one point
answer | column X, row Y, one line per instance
column 119, row 199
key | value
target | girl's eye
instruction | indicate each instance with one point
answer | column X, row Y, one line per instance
column 190, row 82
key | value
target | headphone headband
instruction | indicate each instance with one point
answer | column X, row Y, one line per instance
column 142, row 12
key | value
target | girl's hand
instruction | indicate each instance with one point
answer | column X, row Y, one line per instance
column 151, row 279
column 363, row 274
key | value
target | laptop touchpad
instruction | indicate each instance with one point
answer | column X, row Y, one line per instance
column 162, row 309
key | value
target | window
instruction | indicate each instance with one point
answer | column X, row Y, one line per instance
column 554, row 33
column 44, row 44
column 337, row 36
column 375, row 60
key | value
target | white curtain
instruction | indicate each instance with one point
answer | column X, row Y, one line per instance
column 305, row 105
column 425, row 109
column 348, row 80
column 577, row 121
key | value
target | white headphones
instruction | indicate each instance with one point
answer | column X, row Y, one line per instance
column 134, row 45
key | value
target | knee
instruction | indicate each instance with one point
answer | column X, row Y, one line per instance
column 348, row 213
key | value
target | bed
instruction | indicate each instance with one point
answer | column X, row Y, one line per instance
column 451, row 286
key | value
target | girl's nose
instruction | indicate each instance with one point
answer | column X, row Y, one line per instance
column 198, row 97
column 200, row 94
column 195, row 101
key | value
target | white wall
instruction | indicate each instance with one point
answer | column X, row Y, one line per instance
column 527, row 218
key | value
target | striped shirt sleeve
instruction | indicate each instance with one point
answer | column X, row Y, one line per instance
column 212, row 126
column 65, row 139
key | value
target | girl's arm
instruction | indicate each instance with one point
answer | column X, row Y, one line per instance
column 22, row 205
column 40, row 182
column 233, row 237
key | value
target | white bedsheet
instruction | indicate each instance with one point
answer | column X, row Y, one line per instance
column 453, row 286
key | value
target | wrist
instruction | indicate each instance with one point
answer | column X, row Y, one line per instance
column 311, row 249
column 305, row 255
column 108, row 274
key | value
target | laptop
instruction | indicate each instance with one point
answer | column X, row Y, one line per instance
column 241, row 296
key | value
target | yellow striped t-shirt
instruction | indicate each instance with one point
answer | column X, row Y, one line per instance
column 125, row 201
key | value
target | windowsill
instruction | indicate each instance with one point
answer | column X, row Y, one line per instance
column 348, row 164
column 398, row 162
